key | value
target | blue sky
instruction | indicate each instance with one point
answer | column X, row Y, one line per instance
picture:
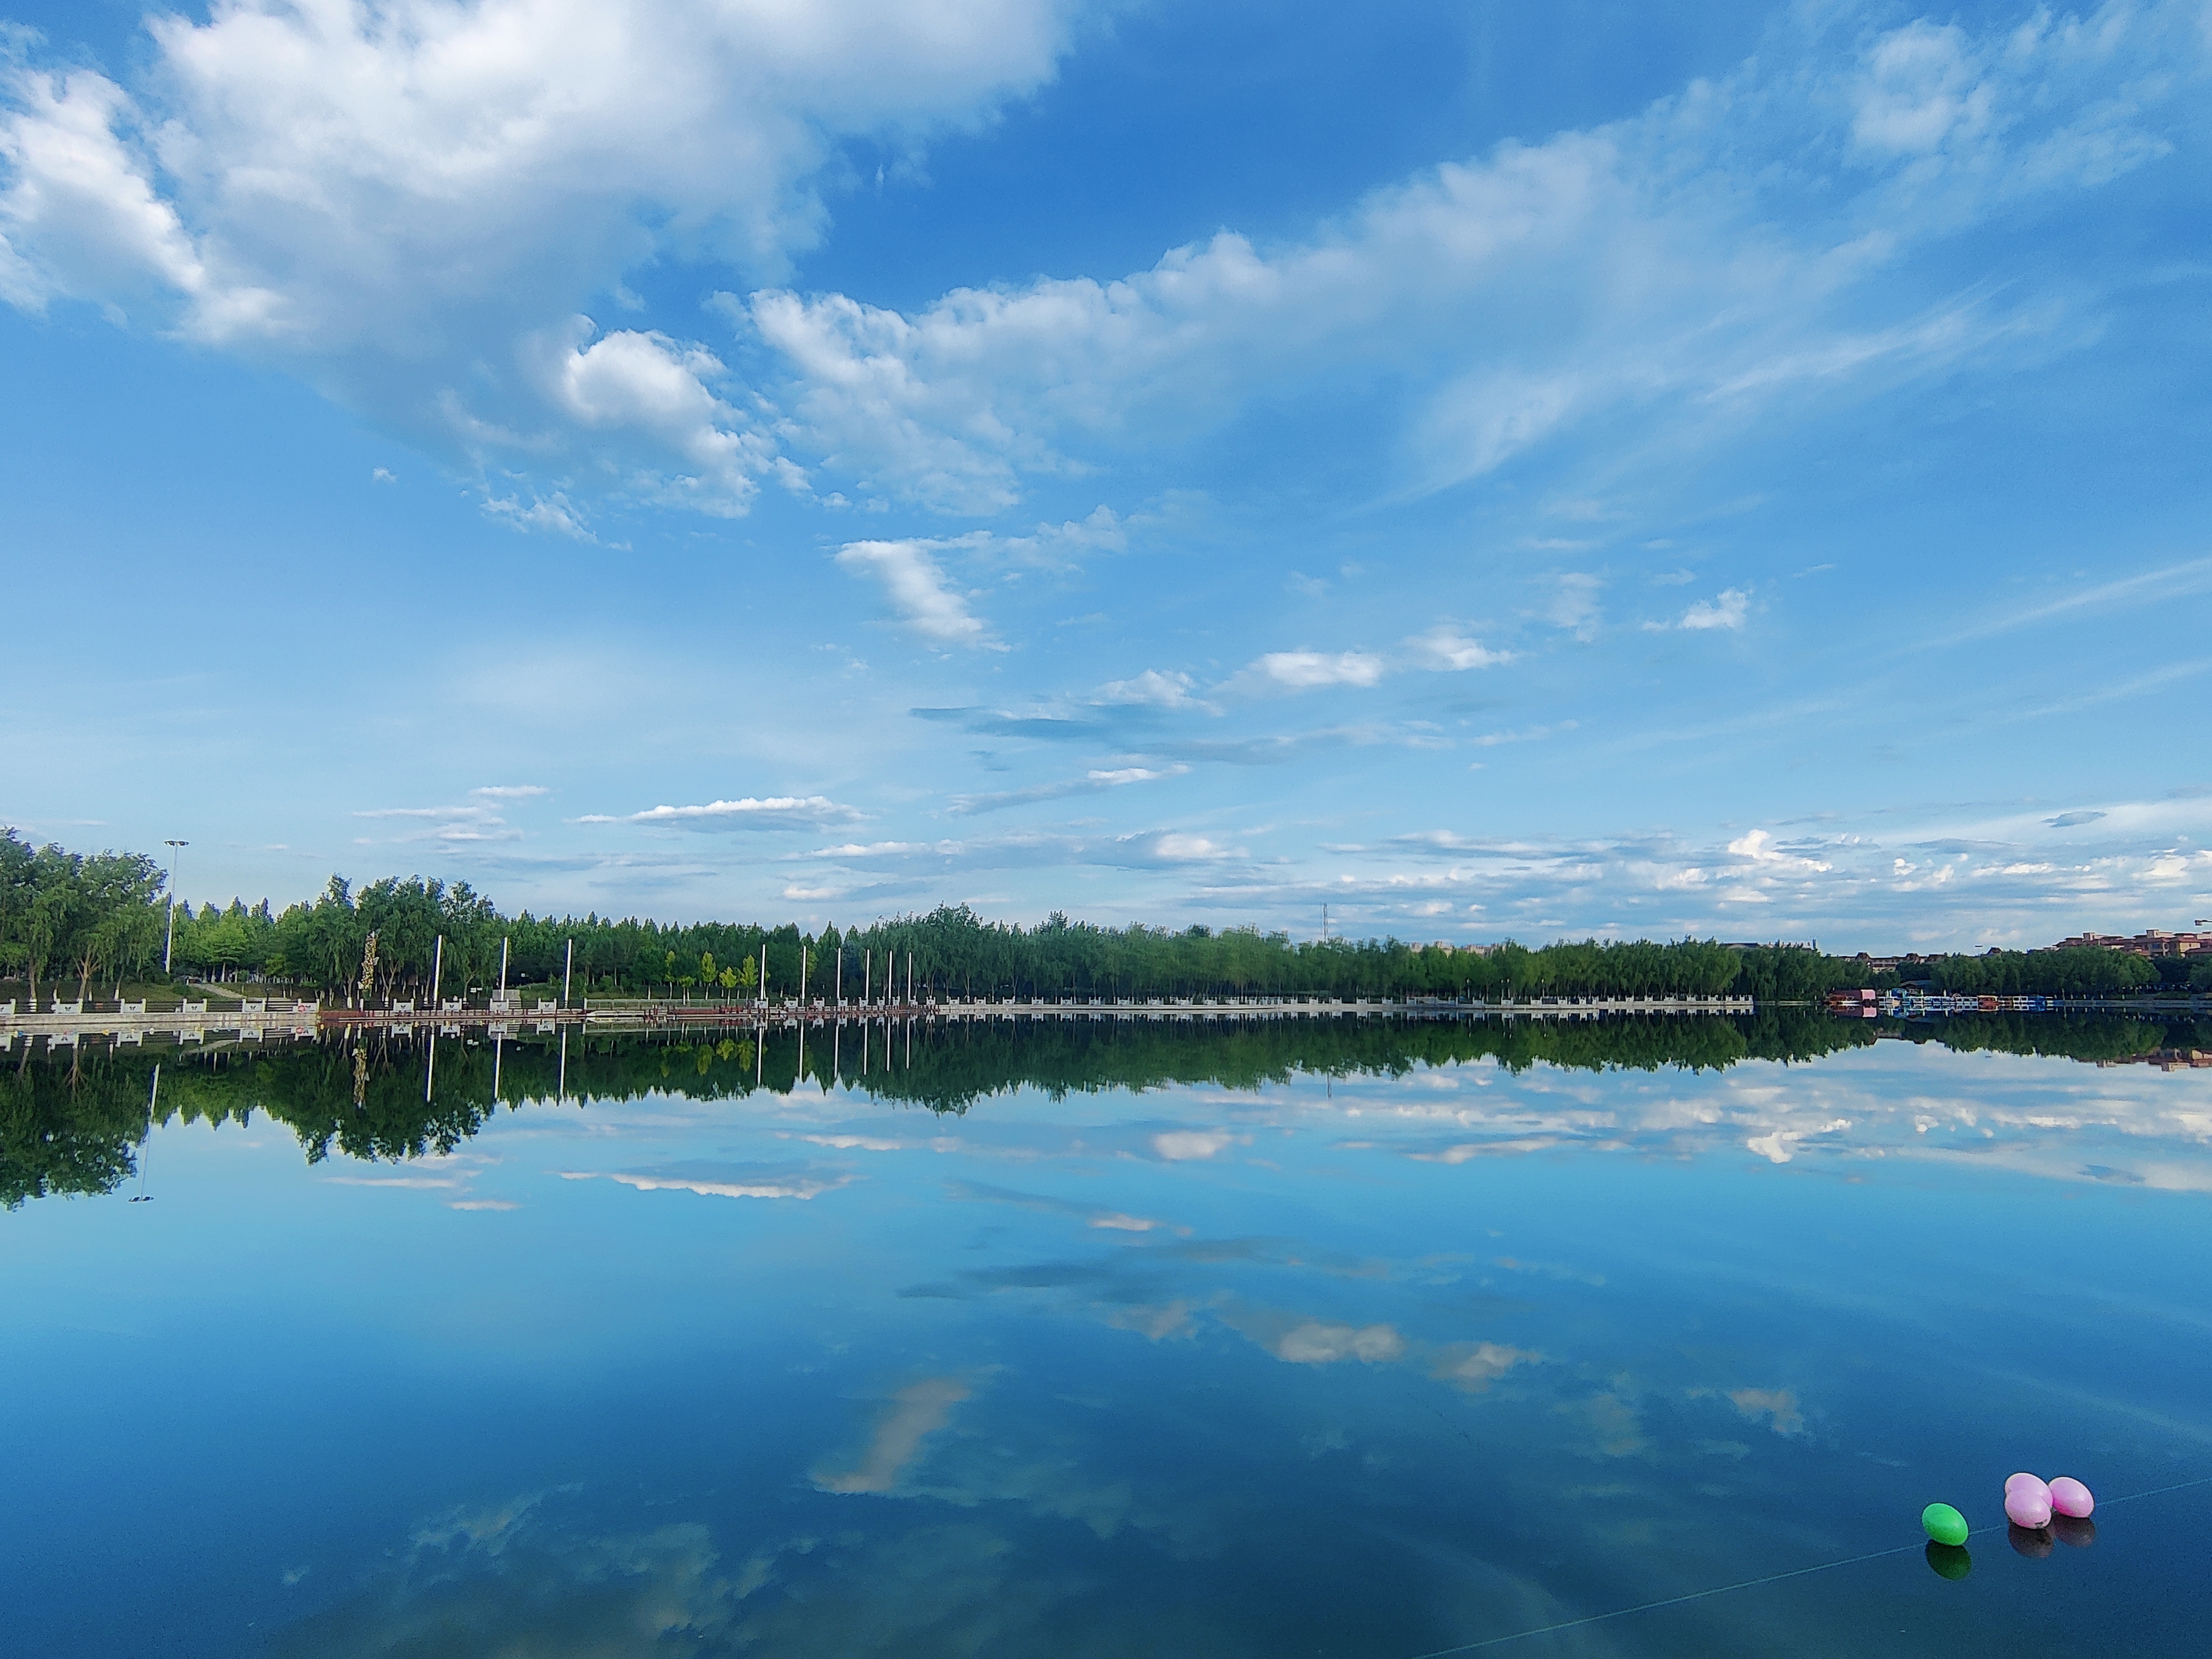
column 1737, row 472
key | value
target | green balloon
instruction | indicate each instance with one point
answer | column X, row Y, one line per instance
column 1944, row 1523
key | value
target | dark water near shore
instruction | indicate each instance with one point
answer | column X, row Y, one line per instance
column 1356, row 1339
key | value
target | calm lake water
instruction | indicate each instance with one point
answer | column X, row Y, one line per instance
column 1347, row 1342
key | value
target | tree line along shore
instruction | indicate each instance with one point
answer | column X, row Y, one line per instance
column 84, row 919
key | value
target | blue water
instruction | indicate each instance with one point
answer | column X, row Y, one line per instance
column 1378, row 1366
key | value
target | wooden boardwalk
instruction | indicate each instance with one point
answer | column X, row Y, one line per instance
column 660, row 1015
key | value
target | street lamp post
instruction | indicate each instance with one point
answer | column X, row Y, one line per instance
column 169, row 941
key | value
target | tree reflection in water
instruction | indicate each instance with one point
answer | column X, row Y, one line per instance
column 70, row 1119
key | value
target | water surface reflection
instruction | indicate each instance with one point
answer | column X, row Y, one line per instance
column 1371, row 1339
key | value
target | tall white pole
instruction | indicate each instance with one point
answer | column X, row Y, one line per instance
column 763, row 984
column 867, row 975
column 437, row 973
column 503, row 968
column 841, row 977
column 168, row 944
column 802, row 985
column 568, row 973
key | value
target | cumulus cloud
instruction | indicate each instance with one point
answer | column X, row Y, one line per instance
column 1759, row 846
column 402, row 198
column 656, row 393
column 413, row 205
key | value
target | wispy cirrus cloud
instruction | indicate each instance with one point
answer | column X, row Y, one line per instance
column 1095, row 782
column 1754, row 301
column 750, row 812
column 718, row 1180
column 454, row 826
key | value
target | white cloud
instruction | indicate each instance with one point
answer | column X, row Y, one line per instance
column 918, row 590
column 402, row 196
column 1306, row 671
column 1445, row 647
column 1473, row 280
column 1152, row 688
column 1920, row 87
column 80, row 210
column 412, row 203
column 1758, row 847
column 1728, row 611
column 771, row 812
column 722, row 1181
column 453, row 826
column 551, row 513
column 1573, row 605
column 650, row 387
column 1527, row 734
column 1091, row 782
column 1177, row 848
column 1188, row 1145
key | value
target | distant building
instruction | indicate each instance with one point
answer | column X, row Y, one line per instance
column 2150, row 943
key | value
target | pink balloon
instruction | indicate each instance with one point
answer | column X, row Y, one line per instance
column 2012, row 1480
column 2028, row 1504
column 2069, row 1497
